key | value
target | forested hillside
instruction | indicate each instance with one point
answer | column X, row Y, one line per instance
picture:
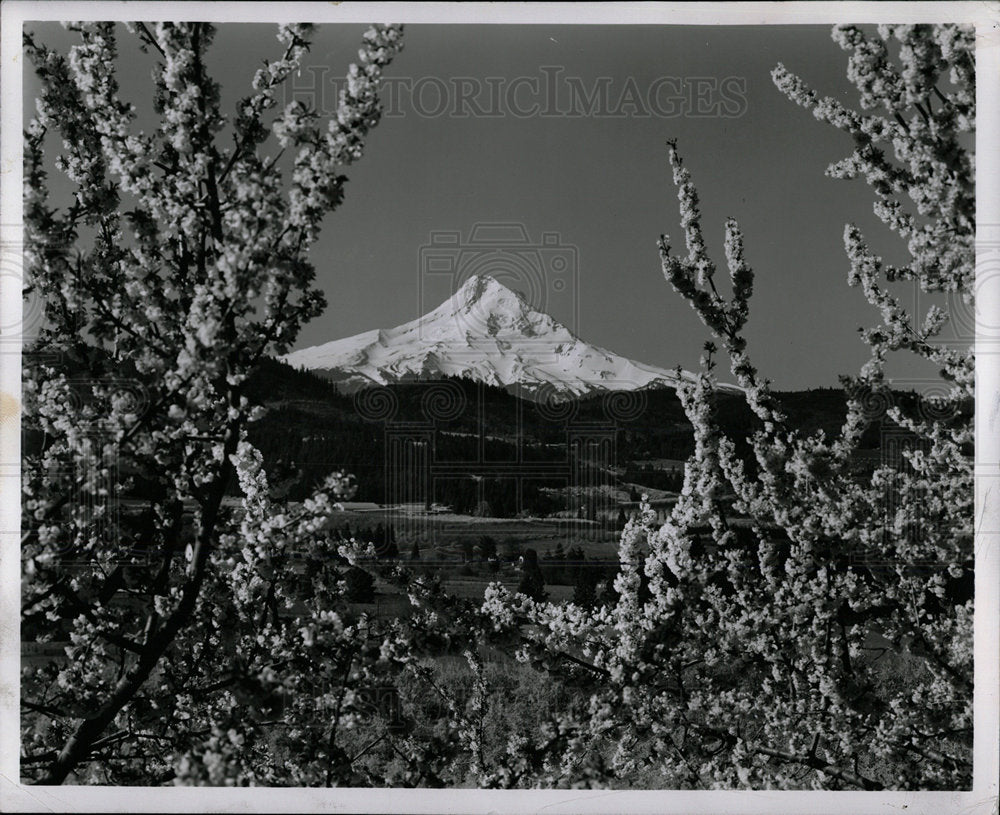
column 310, row 429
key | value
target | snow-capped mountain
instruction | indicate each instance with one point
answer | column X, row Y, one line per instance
column 484, row 332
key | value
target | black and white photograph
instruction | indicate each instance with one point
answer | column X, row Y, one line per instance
column 464, row 399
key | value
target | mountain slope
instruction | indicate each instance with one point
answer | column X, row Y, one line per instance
column 488, row 333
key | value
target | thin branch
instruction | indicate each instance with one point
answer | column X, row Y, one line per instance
column 817, row 763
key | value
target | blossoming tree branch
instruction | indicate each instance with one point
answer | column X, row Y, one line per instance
column 748, row 652
column 180, row 260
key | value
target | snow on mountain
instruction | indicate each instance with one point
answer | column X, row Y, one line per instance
column 484, row 332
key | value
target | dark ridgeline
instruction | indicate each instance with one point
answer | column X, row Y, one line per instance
column 311, row 429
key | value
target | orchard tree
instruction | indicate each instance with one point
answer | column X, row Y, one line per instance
column 806, row 624
column 200, row 638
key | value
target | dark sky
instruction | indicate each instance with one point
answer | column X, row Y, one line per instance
column 599, row 183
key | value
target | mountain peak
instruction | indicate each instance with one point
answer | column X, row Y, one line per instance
column 487, row 289
column 489, row 333
column 477, row 285
column 484, row 307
